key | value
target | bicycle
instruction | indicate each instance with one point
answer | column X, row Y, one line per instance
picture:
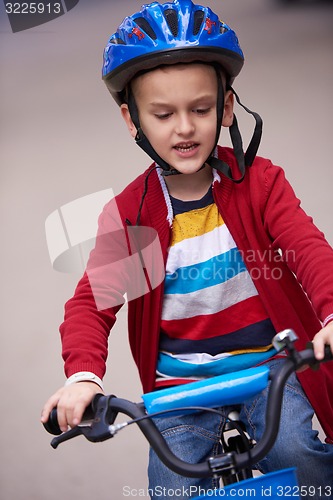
column 234, row 464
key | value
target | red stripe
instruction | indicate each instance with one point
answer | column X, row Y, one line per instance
column 233, row 318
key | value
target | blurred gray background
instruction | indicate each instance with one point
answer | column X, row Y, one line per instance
column 62, row 138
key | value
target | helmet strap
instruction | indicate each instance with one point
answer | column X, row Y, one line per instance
column 218, row 163
column 257, row 133
column 142, row 140
column 236, row 138
column 237, row 143
column 243, row 159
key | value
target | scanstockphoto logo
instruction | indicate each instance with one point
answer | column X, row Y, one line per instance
column 25, row 15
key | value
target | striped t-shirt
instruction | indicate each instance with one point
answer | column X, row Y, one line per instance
column 213, row 320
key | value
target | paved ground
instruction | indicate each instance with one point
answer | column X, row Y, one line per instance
column 59, row 143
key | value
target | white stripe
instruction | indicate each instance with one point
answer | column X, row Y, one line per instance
column 198, row 358
column 209, row 300
column 199, row 248
column 328, row 319
column 163, row 376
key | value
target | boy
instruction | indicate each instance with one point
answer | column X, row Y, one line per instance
column 236, row 248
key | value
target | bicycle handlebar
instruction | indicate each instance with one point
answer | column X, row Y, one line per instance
column 104, row 410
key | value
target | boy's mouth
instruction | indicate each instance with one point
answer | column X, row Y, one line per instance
column 185, row 147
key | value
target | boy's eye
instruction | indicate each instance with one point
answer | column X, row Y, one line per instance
column 162, row 116
column 202, row 111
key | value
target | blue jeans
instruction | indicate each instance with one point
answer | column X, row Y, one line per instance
column 193, row 438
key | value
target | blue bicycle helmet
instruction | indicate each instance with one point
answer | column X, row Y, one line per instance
column 168, row 33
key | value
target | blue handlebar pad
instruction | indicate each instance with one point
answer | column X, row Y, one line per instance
column 223, row 390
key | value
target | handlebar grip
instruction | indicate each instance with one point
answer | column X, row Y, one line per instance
column 311, row 361
column 52, row 425
column 328, row 354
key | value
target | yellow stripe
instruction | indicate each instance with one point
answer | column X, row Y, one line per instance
column 195, row 223
column 255, row 349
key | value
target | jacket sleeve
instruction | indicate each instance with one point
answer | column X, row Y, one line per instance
column 84, row 332
column 304, row 248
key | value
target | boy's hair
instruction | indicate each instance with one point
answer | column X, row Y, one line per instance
column 127, row 91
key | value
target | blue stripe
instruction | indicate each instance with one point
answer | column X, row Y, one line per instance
column 177, row 368
column 214, row 271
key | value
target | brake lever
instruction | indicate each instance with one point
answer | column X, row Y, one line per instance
column 99, row 430
column 65, row 436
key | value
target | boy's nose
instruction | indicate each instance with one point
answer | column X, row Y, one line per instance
column 185, row 126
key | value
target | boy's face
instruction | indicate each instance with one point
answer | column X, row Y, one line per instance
column 177, row 111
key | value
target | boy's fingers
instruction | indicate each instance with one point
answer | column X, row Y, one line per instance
column 324, row 337
column 48, row 407
column 78, row 413
column 71, row 402
column 318, row 347
column 62, row 416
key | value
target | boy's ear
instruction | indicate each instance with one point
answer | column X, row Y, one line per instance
column 128, row 120
column 228, row 113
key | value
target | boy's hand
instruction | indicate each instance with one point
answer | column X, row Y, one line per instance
column 324, row 336
column 71, row 401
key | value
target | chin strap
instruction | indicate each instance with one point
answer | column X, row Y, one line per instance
column 141, row 138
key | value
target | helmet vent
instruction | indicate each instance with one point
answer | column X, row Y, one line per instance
column 145, row 26
column 171, row 18
column 223, row 29
column 117, row 41
column 198, row 20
